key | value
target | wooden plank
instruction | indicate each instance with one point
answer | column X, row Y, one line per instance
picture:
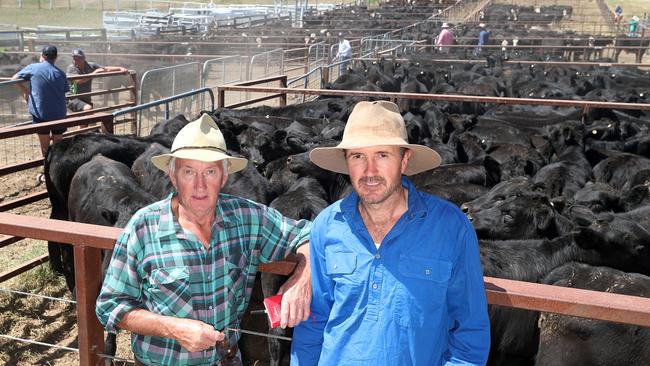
column 88, row 281
column 13, row 272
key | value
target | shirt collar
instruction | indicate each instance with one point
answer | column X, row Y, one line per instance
column 168, row 223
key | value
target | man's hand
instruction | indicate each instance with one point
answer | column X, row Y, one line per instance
column 194, row 335
column 296, row 292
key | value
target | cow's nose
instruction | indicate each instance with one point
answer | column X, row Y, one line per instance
column 289, row 159
column 470, row 218
column 464, row 208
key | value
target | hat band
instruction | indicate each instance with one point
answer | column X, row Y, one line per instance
column 200, row 148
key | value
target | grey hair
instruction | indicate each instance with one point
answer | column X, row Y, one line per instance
column 172, row 165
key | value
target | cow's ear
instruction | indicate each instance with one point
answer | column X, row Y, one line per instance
column 109, row 215
column 543, row 219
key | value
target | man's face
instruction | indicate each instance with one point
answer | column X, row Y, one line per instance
column 78, row 61
column 376, row 172
column 198, row 185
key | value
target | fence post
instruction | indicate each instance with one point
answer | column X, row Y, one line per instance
column 87, row 262
column 221, row 97
column 283, row 97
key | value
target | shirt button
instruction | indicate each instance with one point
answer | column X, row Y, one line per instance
column 335, row 266
column 374, row 286
column 427, row 272
column 210, row 307
column 377, row 255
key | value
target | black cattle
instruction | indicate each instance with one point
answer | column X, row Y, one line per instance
column 514, row 332
column 527, row 216
column 249, row 183
column 104, row 192
column 64, row 158
column 623, row 238
column 619, row 171
column 598, row 197
column 574, row 341
column 335, row 185
column 304, row 200
column 513, row 187
column 633, row 45
column 152, row 179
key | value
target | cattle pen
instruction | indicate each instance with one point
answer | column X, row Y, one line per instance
column 247, row 64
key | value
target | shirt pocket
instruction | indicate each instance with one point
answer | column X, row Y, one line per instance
column 170, row 292
column 421, row 290
column 342, row 268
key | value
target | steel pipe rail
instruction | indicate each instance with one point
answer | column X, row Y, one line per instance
column 522, row 62
column 584, row 104
column 88, row 240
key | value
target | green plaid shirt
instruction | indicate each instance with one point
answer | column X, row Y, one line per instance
column 158, row 266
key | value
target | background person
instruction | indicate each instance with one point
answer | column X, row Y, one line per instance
column 344, row 53
column 483, row 38
column 80, row 66
column 183, row 269
column 618, row 14
column 445, row 38
column 634, row 26
column 45, row 95
column 397, row 278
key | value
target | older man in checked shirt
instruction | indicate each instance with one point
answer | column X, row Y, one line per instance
column 182, row 271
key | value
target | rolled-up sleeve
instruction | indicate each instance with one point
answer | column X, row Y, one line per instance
column 280, row 235
column 121, row 290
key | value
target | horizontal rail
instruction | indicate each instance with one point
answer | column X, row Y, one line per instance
column 10, row 240
column 503, row 292
column 13, row 168
column 45, row 127
column 24, row 200
column 254, row 100
column 23, row 267
column 442, row 97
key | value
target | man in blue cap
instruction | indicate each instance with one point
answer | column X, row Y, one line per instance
column 46, row 95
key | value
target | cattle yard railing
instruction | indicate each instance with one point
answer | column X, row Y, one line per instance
column 282, row 97
column 90, row 240
column 584, row 105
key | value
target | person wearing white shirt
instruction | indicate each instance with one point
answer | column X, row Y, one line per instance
column 344, row 53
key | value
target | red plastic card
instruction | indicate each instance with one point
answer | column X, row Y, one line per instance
column 273, row 305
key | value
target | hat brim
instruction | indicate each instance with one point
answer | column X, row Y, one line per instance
column 333, row 158
column 236, row 164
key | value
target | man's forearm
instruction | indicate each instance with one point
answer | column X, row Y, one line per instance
column 144, row 322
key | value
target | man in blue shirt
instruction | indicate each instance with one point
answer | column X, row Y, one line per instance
column 46, row 95
column 483, row 38
column 396, row 274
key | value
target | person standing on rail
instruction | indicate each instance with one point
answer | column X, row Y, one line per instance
column 483, row 38
column 45, row 96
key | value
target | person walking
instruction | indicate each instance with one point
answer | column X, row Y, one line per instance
column 45, row 95
column 444, row 39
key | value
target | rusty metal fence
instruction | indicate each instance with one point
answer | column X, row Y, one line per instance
column 89, row 240
column 312, row 80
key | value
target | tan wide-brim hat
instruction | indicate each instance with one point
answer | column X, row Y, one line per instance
column 199, row 140
column 374, row 124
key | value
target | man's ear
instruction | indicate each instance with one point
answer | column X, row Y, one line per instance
column 405, row 159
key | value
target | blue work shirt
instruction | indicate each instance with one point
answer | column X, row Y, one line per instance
column 417, row 300
column 48, row 87
column 483, row 37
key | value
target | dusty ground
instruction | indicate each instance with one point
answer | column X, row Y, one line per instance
column 27, row 317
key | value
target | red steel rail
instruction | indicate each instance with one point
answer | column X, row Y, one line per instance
column 88, row 240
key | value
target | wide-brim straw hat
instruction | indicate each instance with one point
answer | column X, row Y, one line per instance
column 374, row 124
column 444, row 25
column 199, row 140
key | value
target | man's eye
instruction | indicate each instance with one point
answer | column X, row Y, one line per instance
column 210, row 172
